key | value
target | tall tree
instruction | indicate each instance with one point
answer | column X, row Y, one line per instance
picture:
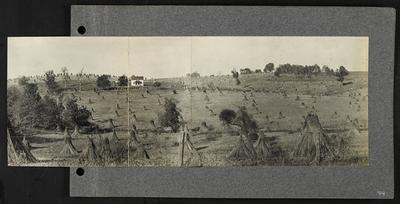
column 64, row 71
column 171, row 116
column 51, row 113
column 14, row 97
column 50, row 80
column 73, row 115
column 30, row 107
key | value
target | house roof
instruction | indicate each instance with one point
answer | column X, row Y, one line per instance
column 137, row 78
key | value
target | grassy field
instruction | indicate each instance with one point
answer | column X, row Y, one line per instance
column 279, row 106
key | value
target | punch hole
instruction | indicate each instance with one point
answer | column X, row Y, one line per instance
column 80, row 171
column 81, row 30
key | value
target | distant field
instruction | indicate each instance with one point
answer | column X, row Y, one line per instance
column 336, row 105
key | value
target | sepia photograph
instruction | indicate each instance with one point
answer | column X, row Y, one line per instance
column 187, row 101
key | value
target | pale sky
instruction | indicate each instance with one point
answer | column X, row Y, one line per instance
column 160, row 57
column 35, row 55
column 213, row 55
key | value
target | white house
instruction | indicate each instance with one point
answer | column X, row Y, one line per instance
column 137, row 81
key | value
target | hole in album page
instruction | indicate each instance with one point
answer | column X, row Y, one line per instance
column 80, row 171
column 81, row 30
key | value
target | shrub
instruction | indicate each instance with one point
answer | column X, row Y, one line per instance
column 235, row 74
column 242, row 119
column 227, row 116
column 171, row 116
column 247, row 123
column 156, row 84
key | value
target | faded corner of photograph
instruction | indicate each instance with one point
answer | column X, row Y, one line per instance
column 187, row 101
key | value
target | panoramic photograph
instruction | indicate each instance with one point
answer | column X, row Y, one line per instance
column 187, row 101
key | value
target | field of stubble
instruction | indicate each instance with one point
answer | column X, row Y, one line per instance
column 278, row 106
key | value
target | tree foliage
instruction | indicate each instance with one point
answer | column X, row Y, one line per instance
column 103, row 81
column 227, row 116
column 64, row 71
column 235, row 75
column 246, row 71
column 123, row 80
column 269, row 67
column 242, row 119
column 27, row 109
column 23, row 81
column 341, row 73
column 156, row 84
column 51, row 113
column 171, row 116
column 74, row 115
column 295, row 69
column 50, row 81
column 327, row 70
column 245, row 121
column 193, row 75
column 30, row 106
column 65, row 76
column 13, row 105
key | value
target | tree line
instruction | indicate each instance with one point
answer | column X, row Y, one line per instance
column 300, row 70
column 28, row 109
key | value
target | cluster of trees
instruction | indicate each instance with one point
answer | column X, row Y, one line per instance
column 309, row 70
column 28, row 109
column 305, row 70
column 246, row 71
column 295, row 69
column 267, row 69
column 103, row 81
column 193, row 75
